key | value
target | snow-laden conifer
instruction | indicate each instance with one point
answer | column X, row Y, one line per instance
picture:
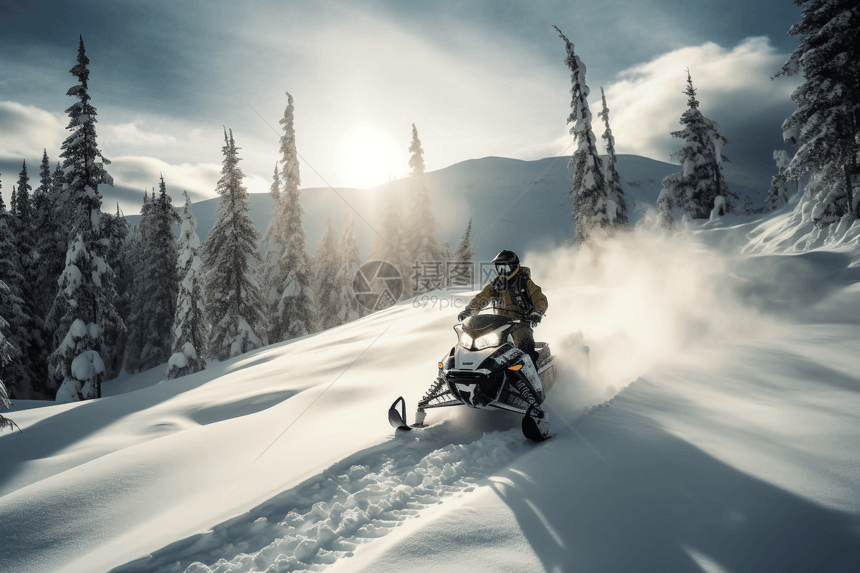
column 328, row 293
column 46, row 232
column 135, row 322
column 7, row 354
column 16, row 370
column 590, row 200
column 189, row 327
column 462, row 273
column 295, row 312
column 115, row 232
column 270, row 271
column 825, row 128
column 161, row 285
column 83, row 308
column 694, row 189
column 350, row 262
column 777, row 196
column 23, row 208
column 234, row 304
column 616, row 208
column 421, row 239
column 390, row 242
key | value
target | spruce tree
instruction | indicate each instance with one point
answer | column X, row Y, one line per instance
column 825, row 128
column 462, row 258
column 421, row 240
column 7, row 354
column 777, row 196
column 391, row 245
column 694, row 189
column 350, row 262
column 46, row 233
column 270, row 270
column 590, row 198
column 617, row 206
column 134, row 256
column 189, row 326
column 295, row 312
column 16, row 370
column 234, row 304
column 161, row 285
column 83, row 309
column 36, row 349
column 115, row 233
column 328, row 290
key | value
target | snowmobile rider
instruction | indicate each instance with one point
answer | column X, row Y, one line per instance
column 513, row 295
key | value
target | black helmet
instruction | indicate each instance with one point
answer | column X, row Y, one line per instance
column 507, row 264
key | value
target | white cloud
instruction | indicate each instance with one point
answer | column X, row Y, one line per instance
column 27, row 130
column 129, row 134
column 734, row 86
column 199, row 179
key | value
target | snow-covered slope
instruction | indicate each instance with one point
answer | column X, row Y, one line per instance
column 714, row 428
column 519, row 205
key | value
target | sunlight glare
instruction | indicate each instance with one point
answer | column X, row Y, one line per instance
column 368, row 156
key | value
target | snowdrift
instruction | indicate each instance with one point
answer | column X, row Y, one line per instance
column 713, row 428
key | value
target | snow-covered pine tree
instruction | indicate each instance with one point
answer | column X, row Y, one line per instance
column 134, row 257
column 590, row 199
column 328, row 290
column 13, row 203
column 391, row 245
column 269, row 272
column 616, row 204
column 295, row 313
column 666, row 208
column 7, row 354
column 825, row 128
column 421, row 240
column 84, row 306
column 695, row 188
column 778, row 194
column 16, row 328
column 463, row 273
column 115, row 233
column 234, row 304
column 161, row 285
column 189, row 326
column 46, row 232
column 350, row 261
column 36, row 349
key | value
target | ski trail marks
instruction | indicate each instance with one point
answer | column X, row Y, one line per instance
column 327, row 517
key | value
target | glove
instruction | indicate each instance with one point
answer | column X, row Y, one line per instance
column 535, row 317
column 464, row 315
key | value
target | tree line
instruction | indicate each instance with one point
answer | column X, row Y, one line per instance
column 84, row 296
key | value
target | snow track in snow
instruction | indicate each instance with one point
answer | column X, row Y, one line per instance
column 327, row 517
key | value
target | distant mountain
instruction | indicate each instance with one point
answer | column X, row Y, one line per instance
column 496, row 192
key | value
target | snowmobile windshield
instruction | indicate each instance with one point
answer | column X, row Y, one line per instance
column 483, row 331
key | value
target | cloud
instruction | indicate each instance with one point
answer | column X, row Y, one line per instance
column 27, row 130
column 129, row 134
column 733, row 87
column 199, row 179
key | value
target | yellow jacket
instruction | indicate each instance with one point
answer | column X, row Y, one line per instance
column 506, row 305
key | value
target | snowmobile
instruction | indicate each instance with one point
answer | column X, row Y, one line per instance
column 486, row 370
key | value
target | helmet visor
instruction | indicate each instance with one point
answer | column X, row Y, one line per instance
column 504, row 269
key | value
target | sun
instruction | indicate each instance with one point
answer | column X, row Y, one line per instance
column 368, row 156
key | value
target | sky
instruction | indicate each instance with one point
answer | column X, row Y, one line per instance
column 478, row 79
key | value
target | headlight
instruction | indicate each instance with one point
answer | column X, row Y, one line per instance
column 488, row 340
column 466, row 341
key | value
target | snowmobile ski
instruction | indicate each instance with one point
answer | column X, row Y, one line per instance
column 398, row 419
column 531, row 427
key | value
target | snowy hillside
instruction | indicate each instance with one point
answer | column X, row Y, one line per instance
column 714, row 428
column 500, row 194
